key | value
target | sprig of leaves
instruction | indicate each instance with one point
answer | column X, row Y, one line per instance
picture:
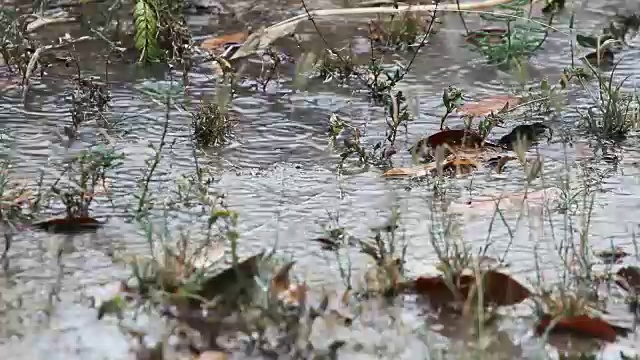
column 146, row 24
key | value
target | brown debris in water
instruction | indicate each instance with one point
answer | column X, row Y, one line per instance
column 69, row 224
column 492, row 105
column 497, row 289
column 580, row 325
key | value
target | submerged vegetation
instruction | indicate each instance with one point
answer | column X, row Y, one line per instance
column 215, row 298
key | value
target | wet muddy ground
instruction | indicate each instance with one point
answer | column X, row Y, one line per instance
column 279, row 173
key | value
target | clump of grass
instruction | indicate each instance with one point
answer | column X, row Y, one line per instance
column 211, row 125
column 614, row 113
column 86, row 174
column 398, row 32
column 333, row 65
column 89, row 100
column 518, row 37
column 15, row 47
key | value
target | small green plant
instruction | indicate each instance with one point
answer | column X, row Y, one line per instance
column 399, row 32
column 351, row 137
column 211, row 125
column 146, row 37
column 333, row 66
column 452, row 99
column 614, row 112
column 86, row 178
column 517, row 37
column 161, row 33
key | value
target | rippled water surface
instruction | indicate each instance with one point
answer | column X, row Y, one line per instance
column 280, row 174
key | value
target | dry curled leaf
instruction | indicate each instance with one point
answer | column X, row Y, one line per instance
column 460, row 166
column 581, row 325
column 280, row 281
column 526, row 134
column 612, row 256
column 409, row 171
column 69, row 224
column 217, row 43
column 455, row 138
column 497, row 289
column 494, row 104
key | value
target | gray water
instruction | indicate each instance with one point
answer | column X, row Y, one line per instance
column 279, row 173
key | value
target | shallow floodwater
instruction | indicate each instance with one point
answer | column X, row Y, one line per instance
column 280, row 175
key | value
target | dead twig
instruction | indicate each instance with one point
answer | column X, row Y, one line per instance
column 36, row 56
column 263, row 38
column 41, row 22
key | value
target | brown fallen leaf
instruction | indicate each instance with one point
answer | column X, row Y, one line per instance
column 606, row 59
column 455, row 138
column 452, row 140
column 435, row 289
column 213, row 355
column 501, row 161
column 69, row 224
column 409, row 171
column 501, row 289
column 490, row 105
column 497, row 289
column 612, row 256
column 280, row 281
column 580, row 325
column 460, row 166
column 217, row 43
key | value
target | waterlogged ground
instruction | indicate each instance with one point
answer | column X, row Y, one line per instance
column 279, row 174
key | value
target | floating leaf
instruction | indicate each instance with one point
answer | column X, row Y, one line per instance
column 581, row 325
column 606, row 59
column 69, row 224
column 435, row 289
column 264, row 37
column 453, row 138
column 497, row 288
column 494, row 104
column 502, row 289
column 460, row 166
column 611, row 256
column 592, row 41
column 528, row 133
column 218, row 43
column 328, row 244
